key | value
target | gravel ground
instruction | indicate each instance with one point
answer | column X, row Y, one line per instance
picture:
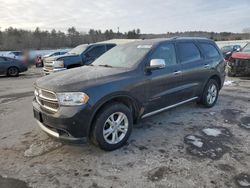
column 189, row 146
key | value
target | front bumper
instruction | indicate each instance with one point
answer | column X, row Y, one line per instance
column 69, row 123
column 49, row 71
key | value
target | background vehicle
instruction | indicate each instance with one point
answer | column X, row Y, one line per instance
column 129, row 82
column 11, row 67
column 40, row 59
column 81, row 55
column 239, row 63
column 227, row 51
column 55, row 54
column 16, row 55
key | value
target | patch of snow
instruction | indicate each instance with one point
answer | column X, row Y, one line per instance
column 211, row 132
column 228, row 83
column 40, row 148
column 212, row 113
column 244, row 183
column 195, row 141
column 247, row 126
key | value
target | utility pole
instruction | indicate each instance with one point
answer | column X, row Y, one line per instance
column 118, row 32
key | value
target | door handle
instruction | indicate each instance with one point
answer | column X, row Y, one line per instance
column 206, row 66
column 177, row 72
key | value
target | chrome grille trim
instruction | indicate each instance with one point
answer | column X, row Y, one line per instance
column 48, row 102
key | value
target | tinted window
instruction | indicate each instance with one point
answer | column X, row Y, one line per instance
column 188, row 52
column 17, row 53
column 96, row 51
column 210, row 51
column 166, row 52
column 109, row 46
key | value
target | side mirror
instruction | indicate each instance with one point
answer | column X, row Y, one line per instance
column 156, row 64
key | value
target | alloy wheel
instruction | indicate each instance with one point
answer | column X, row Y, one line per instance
column 211, row 94
column 115, row 128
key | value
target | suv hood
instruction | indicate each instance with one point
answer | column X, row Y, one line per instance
column 241, row 55
column 80, row 78
column 53, row 58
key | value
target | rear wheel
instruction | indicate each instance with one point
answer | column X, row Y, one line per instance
column 210, row 93
column 13, row 71
column 112, row 127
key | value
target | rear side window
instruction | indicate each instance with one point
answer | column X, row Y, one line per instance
column 188, row 52
column 166, row 52
column 210, row 51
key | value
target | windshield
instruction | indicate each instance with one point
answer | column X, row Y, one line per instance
column 124, row 56
column 246, row 48
column 78, row 50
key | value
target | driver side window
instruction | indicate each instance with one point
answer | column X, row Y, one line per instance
column 166, row 52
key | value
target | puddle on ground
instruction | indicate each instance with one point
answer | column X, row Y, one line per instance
column 230, row 115
column 210, row 144
column 42, row 147
column 245, row 122
column 158, row 173
column 225, row 167
column 12, row 183
column 243, row 180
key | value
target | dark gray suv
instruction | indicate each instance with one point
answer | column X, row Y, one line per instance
column 128, row 83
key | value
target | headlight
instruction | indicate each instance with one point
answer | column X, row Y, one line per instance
column 58, row 63
column 228, row 53
column 72, row 99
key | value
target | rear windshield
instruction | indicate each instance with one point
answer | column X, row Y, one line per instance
column 246, row 48
column 18, row 53
column 124, row 56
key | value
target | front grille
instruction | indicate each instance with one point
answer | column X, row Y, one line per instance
column 48, row 64
column 47, row 100
column 48, row 95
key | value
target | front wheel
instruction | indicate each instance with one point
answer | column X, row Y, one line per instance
column 13, row 71
column 112, row 127
column 210, row 93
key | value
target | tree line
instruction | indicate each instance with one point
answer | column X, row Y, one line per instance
column 20, row 39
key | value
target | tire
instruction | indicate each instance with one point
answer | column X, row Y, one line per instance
column 210, row 94
column 103, row 123
column 13, row 71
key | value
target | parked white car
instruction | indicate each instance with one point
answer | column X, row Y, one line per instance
column 15, row 55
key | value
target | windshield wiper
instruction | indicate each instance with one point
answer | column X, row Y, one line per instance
column 106, row 66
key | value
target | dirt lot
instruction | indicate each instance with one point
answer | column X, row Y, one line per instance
column 189, row 146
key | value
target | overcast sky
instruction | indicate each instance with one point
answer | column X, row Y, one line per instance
column 151, row 16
